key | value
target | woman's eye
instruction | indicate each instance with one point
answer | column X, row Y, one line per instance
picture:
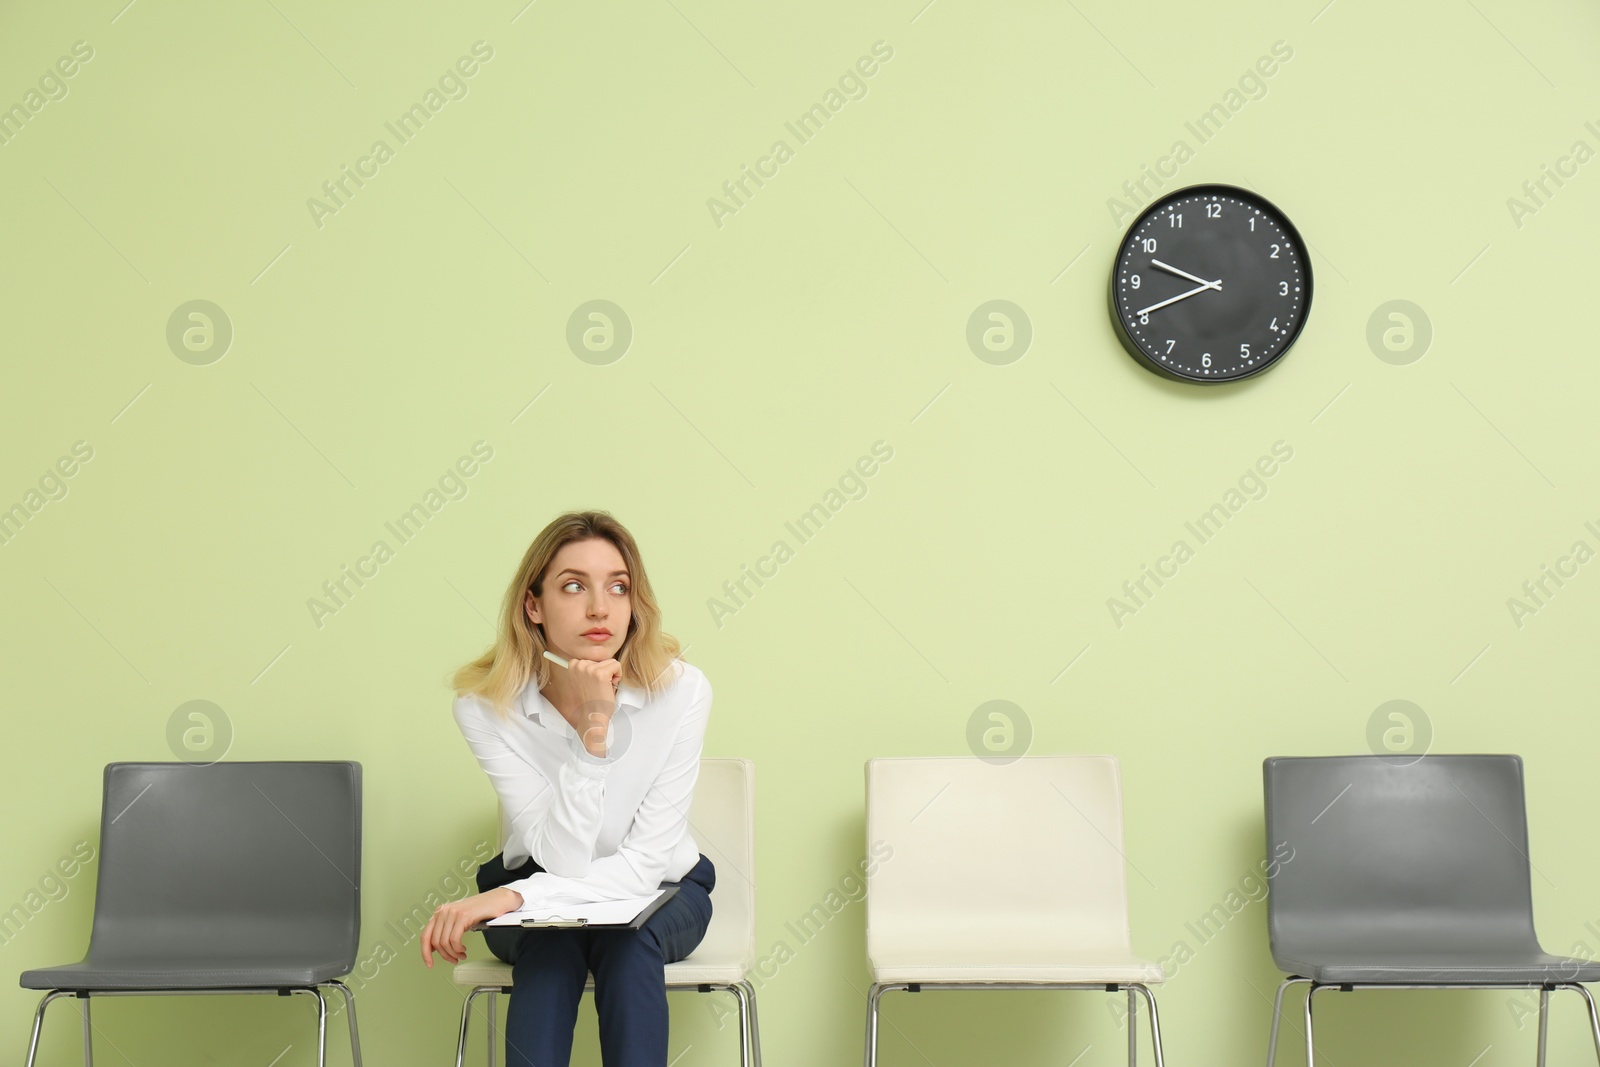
column 622, row 587
column 572, row 582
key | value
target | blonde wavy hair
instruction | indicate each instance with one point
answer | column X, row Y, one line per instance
column 517, row 654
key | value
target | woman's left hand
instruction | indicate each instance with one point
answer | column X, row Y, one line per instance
column 452, row 918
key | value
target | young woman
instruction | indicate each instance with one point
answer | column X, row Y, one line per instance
column 595, row 766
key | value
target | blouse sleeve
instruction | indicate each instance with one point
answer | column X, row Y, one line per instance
column 641, row 859
column 557, row 826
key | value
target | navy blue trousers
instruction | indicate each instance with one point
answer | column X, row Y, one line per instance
column 550, row 967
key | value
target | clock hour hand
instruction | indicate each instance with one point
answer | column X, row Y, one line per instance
column 1202, row 287
column 1180, row 273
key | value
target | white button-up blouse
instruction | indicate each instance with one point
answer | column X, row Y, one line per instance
column 602, row 828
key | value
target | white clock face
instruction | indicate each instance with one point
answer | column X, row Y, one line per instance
column 1211, row 284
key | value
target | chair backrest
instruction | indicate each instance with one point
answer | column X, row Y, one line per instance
column 1030, row 848
column 1431, row 854
column 230, row 862
column 722, row 822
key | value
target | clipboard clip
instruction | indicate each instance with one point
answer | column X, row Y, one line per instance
column 530, row 924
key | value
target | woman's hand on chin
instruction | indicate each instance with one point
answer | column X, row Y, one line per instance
column 596, row 682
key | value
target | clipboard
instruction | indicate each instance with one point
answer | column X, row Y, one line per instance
column 667, row 893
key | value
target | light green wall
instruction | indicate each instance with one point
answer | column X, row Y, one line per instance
column 769, row 353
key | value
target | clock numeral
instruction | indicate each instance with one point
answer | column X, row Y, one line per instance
column 1252, row 224
column 1170, row 344
column 1274, row 252
column 1144, row 320
column 1149, row 244
column 1283, row 288
column 1244, row 350
column 1175, row 221
column 1214, row 211
column 1134, row 281
column 1273, row 325
column 1205, row 359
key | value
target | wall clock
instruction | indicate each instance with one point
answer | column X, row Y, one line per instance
column 1211, row 284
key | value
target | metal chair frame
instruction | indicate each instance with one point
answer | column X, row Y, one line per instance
column 744, row 993
column 1544, row 988
column 88, row 1033
column 875, row 993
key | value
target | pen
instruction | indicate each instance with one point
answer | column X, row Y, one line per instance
column 553, row 658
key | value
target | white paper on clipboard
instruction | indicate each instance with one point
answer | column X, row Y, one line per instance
column 598, row 913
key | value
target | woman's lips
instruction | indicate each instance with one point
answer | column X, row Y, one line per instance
column 598, row 638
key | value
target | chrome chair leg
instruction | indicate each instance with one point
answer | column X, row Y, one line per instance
column 322, row 1028
column 755, row 1026
column 873, row 993
column 350, row 1013
column 492, row 1021
column 88, row 1034
column 466, row 1016
column 1155, row 1021
column 1133, row 1028
column 1544, row 1023
column 1594, row 1017
column 38, row 1022
column 1311, row 991
column 1277, row 1015
column 742, row 995
column 322, row 1022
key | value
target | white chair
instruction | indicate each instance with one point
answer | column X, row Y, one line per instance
column 722, row 824
column 1000, row 876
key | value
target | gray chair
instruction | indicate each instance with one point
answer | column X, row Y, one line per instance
column 1406, row 875
column 227, row 878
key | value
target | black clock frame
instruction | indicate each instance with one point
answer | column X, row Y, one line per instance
column 1279, row 217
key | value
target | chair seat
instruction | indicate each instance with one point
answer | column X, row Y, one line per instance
column 1436, row 967
column 698, row 969
column 1014, row 963
column 178, row 973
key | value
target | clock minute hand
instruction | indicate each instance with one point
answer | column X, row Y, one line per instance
column 1217, row 285
column 1175, row 270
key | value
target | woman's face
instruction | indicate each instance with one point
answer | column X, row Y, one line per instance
column 587, row 588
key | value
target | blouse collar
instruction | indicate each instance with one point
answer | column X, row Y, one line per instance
column 535, row 705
